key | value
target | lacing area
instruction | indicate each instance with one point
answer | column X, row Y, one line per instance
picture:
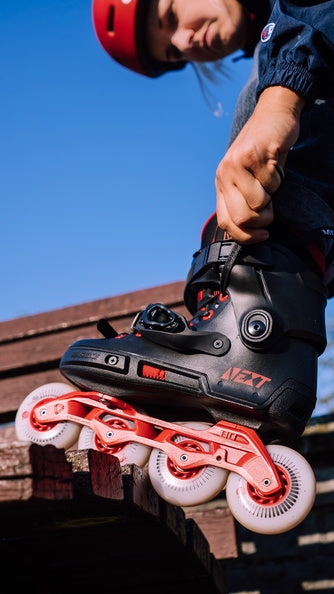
column 124, row 334
column 209, row 303
column 211, row 268
column 157, row 316
column 108, row 331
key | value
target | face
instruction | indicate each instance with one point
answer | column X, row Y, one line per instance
column 195, row 30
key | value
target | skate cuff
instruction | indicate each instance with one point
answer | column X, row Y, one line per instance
column 223, row 255
column 210, row 268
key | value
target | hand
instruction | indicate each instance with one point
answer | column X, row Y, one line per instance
column 250, row 171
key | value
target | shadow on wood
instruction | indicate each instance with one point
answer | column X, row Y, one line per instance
column 78, row 522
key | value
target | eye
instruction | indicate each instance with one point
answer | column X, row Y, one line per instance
column 172, row 19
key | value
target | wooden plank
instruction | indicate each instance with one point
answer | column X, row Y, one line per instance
column 14, row 389
column 138, row 490
column 95, row 474
column 174, row 518
column 26, row 365
column 31, row 472
column 198, row 543
column 30, row 349
column 95, row 534
column 47, row 349
column 217, row 524
column 81, row 314
column 7, row 433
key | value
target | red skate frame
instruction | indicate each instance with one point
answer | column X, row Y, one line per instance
column 233, row 447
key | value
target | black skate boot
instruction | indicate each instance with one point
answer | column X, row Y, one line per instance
column 249, row 355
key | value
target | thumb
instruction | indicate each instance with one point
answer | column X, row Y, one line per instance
column 280, row 171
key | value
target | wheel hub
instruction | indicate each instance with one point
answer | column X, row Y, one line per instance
column 275, row 497
column 181, row 473
column 109, row 448
column 35, row 423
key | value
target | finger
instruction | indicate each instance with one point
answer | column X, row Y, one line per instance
column 250, row 230
column 245, row 236
column 270, row 175
column 236, row 209
column 254, row 194
column 280, row 172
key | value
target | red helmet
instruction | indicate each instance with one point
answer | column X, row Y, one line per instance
column 120, row 28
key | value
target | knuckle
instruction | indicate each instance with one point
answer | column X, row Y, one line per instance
column 220, row 170
column 260, row 203
column 242, row 221
column 229, row 160
column 222, row 222
column 250, row 158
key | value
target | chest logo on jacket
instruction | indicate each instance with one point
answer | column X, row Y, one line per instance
column 267, row 32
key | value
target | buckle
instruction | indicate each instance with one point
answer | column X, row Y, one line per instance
column 158, row 317
column 214, row 253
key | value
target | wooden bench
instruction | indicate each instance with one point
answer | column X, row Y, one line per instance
column 78, row 522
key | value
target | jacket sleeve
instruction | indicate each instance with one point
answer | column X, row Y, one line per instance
column 297, row 49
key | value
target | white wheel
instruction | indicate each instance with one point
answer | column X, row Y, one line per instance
column 129, row 453
column 62, row 434
column 276, row 514
column 186, row 487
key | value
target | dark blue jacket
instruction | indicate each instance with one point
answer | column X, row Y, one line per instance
column 297, row 51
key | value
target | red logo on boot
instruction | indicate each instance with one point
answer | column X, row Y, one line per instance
column 249, row 378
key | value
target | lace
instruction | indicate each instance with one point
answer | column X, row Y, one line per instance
column 208, row 309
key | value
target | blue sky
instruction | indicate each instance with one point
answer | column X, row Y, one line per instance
column 106, row 177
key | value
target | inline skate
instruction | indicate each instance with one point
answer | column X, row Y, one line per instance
column 221, row 392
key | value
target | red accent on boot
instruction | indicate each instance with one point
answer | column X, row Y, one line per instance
column 317, row 256
column 153, row 372
column 206, row 224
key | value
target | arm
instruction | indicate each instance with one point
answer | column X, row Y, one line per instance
column 247, row 176
column 295, row 68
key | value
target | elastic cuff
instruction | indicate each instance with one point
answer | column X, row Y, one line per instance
column 289, row 75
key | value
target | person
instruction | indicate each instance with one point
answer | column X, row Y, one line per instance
column 259, row 283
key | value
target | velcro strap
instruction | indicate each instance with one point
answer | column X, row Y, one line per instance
column 217, row 253
column 228, row 265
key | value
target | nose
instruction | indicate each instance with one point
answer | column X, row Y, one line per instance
column 183, row 39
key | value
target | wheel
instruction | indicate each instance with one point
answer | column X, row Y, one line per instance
column 186, row 487
column 62, row 435
column 129, row 453
column 280, row 512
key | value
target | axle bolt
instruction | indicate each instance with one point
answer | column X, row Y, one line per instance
column 184, row 457
column 266, row 482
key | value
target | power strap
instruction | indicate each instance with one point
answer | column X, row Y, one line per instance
column 217, row 253
column 225, row 271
